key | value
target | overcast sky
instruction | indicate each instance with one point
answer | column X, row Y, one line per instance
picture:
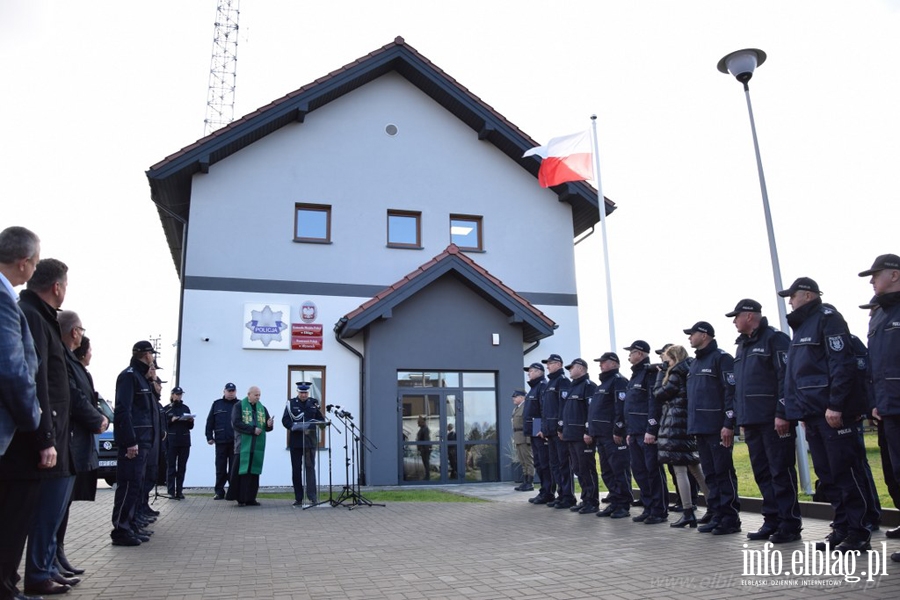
column 95, row 92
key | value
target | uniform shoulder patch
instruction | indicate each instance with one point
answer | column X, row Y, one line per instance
column 621, row 395
column 836, row 342
column 729, row 377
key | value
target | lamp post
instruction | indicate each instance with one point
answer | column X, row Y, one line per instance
column 741, row 64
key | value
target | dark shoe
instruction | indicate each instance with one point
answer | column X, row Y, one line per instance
column 641, row 517
column 552, row 503
column 151, row 512
column 588, row 509
column 676, row 507
column 893, row 534
column 655, row 520
column 605, row 499
column 126, row 541
column 577, row 507
column 539, row 500
column 63, row 562
column 172, row 494
column 872, row 527
column 141, row 538
column 852, row 543
column 46, row 588
column 62, row 570
column 609, row 510
column 708, row 527
column 297, row 504
column 763, row 533
column 254, row 503
column 71, row 582
column 620, row 513
column 706, row 518
column 784, row 537
column 241, row 504
column 895, row 557
column 637, row 502
column 687, row 520
column 180, row 496
column 145, row 532
column 219, row 497
column 564, row 504
column 727, row 527
column 831, row 541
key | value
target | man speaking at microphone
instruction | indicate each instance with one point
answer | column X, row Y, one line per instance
column 300, row 416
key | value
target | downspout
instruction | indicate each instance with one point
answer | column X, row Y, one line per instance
column 184, row 232
column 532, row 347
column 339, row 326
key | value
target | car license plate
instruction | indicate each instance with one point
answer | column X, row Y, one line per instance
column 107, row 463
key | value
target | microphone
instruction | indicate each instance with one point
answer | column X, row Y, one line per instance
column 328, row 407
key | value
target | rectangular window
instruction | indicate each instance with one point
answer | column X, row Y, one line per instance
column 465, row 232
column 404, row 229
column 312, row 223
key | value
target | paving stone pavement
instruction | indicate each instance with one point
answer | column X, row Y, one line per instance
column 504, row 548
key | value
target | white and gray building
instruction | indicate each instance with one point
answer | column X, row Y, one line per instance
column 377, row 233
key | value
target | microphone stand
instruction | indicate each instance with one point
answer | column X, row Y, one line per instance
column 352, row 496
column 331, row 501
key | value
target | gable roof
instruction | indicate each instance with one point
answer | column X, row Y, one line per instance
column 170, row 179
column 536, row 325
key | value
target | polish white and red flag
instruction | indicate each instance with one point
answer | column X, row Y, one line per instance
column 565, row 158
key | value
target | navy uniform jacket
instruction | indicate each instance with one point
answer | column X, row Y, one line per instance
column 710, row 391
column 821, row 368
column 302, row 411
column 136, row 419
column 575, row 408
column 551, row 402
column 606, row 413
column 532, row 404
column 179, row 432
column 759, row 366
column 884, row 356
column 637, row 397
column 218, row 423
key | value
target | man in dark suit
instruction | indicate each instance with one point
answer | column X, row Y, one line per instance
column 20, row 251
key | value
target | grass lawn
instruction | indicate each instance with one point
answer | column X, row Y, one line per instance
column 383, row 497
column 747, row 485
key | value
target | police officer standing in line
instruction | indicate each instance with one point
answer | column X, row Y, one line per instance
column 522, row 442
column 884, row 356
column 642, row 426
column 134, row 432
column 539, row 449
column 300, row 411
column 818, row 390
column 759, row 366
column 552, row 400
column 710, row 392
column 220, row 432
column 179, row 423
column 574, row 428
column 606, row 430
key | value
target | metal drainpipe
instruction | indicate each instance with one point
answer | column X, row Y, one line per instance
column 536, row 344
column 362, row 405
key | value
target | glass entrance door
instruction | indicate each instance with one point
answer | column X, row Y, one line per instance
column 428, row 424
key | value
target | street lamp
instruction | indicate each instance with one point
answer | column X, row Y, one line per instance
column 741, row 64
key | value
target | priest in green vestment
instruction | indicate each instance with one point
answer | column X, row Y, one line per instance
column 251, row 421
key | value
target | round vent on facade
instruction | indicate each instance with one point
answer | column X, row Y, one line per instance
column 391, row 129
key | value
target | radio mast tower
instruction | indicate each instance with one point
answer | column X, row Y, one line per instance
column 223, row 67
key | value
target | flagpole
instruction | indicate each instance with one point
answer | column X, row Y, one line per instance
column 601, row 205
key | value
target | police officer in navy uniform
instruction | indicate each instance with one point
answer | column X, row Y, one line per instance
column 551, row 415
column 220, row 432
column 178, row 441
column 884, row 356
column 819, row 390
column 300, row 411
column 606, row 430
column 759, row 365
column 134, row 433
column 642, row 420
column 574, row 427
column 710, row 392
column 540, row 451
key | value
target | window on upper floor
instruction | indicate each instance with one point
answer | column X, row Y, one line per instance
column 404, row 229
column 312, row 223
column 465, row 232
